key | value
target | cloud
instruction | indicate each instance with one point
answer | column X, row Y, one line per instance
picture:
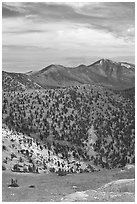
column 24, row 31
column 10, row 11
column 116, row 18
column 67, row 32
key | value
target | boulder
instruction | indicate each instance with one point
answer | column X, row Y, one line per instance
column 32, row 186
column 122, row 185
column 17, row 168
column 130, row 166
column 13, row 183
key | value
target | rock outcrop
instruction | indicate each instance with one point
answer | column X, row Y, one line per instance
column 116, row 191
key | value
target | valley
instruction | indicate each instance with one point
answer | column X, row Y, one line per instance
column 69, row 122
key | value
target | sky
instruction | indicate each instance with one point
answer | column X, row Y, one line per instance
column 37, row 34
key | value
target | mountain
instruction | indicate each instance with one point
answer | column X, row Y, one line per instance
column 56, row 76
column 17, row 82
column 114, row 75
column 104, row 72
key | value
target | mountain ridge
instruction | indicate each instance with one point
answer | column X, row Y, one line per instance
column 105, row 72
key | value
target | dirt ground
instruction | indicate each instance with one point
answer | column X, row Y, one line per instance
column 51, row 187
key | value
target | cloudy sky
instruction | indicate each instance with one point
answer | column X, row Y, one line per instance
column 35, row 35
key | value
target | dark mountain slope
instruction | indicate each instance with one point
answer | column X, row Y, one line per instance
column 117, row 76
column 104, row 72
column 56, row 76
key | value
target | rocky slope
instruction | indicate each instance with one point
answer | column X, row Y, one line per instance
column 122, row 190
column 21, row 153
column 17, row 82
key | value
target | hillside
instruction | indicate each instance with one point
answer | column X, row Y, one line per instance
column 127, row 93
column 17, row 82
column 114, row 75
column 90, row 122
column 21, row 153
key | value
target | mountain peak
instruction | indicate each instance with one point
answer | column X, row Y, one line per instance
column 52, row 66
column 104, row 61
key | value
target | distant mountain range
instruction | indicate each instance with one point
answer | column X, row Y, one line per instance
column 114, row 75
